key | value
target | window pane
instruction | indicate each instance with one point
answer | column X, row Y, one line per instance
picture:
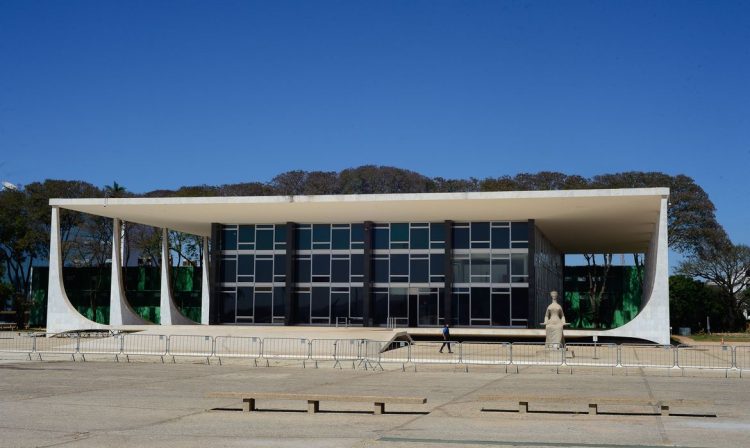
column 357, row 266
column 303, row 270
column 420, row 238
column 279, row 300
column 320, row 305
column 245, row 301
column 500, row 271
column 436, row 264
column 520, row 303
column 461, row 270
column 264, row 239
column 228, row 271
column 501, row 309
column 321, row 264
column 339, row 305
column 355, row 302
column 358, row 232
column 400, row 232
column 303, row 307
column 340, row 239
column 460, row 237
column 340, row 271
column 263, row 304
column 519, row 264
column 321, row 233
column 437, row 231
column 380, row 300
column 480, row 266
column 480, row 303
column 480, row 231
column 398, row 302
column 247, row 234
column 228, row 302
column 280, row 233
column 500, row 238
column 380, row 237
column 519, row 231
column 380, row 270
column 245, row 264
column 304, row 239
column 419, row 271
column 399, row 264
column 279, row 264
column 229, row 240
column 460, row 304
column 263, row 271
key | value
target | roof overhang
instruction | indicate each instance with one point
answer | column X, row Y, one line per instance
column 576, row 221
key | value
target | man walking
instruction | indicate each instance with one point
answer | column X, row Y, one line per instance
column 446, row 339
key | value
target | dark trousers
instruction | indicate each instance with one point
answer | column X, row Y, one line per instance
column 446, row 344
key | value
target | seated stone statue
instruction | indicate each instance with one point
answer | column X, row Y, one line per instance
column 554, row 321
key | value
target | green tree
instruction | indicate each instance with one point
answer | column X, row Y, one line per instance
column 691, row 302
column 728, row 269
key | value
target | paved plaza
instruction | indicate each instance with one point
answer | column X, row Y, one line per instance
column 147, row 403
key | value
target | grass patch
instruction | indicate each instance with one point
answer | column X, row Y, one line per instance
column 716, row 337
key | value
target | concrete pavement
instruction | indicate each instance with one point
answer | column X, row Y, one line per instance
column 102, row 403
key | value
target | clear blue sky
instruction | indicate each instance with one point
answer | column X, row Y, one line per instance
column 163, row 94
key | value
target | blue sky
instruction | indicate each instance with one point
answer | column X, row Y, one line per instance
column 162, row 94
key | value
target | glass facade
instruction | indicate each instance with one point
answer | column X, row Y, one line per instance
column 489, row 268
column 253, row 273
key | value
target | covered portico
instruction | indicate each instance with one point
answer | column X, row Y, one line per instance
column 576, row 221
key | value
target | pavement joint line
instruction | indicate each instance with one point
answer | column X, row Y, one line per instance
column 659, row 422
column 440, row 407
column 519, row 443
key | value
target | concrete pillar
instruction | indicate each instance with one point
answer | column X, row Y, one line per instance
column 120, row 311
column 170, row 314
column 652, row 322
column 61, row 315
column 205, row 286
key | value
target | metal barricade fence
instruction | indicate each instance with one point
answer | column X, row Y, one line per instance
column 398, row 352
column 486, row 353
column 286, row 348
column 14, row 342
column 647, row 355
column 705, row 357
column 145, row 345
column 742, row 358
column 323, row 350
column 430, row 352
column 238, row 347
column 190, row 345
column 591, row 355
column 104, row 345
column 536, row 353
column 349, row 350
column 380, row 352
column 60, row 344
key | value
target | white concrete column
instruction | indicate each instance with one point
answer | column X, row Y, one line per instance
column 120, row 311
column 61, row 314
column 169, row 313
column 652, row 322
column 205, row 288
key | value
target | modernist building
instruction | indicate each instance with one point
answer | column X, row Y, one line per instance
column 475, row 260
